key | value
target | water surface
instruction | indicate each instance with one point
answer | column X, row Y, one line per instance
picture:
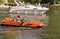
column 51, row 31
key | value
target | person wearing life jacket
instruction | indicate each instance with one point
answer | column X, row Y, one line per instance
column 25, row 20
column 18, row 18
column 14, row 19
column 7, row 19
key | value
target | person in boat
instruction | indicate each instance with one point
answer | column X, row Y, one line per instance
column 14, row 19
column 7, row 19
column 18, row 18
column 36, row 5
column 23, row 3
column 39, row 5
column 25, row 18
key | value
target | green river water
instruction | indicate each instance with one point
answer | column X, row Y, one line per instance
column 51, row 31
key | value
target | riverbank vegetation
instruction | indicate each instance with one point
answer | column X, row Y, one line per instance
column 35, row 1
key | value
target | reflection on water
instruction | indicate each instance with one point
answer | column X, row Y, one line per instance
column 52, row 31
column 17, row 33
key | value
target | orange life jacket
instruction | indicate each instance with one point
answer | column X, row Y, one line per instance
column 14, row 18
column 7, row 19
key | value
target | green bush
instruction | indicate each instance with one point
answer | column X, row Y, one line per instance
column 10, row 1
column 0, row 1
column 58, row 2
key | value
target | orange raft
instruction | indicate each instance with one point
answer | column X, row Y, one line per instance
column 30, row 23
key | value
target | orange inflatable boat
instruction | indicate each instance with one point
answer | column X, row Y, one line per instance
column 22, row 23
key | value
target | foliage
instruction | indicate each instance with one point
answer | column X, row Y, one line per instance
column 0, row 1
column 11, row 1
column 33, row 1
column 47, row 1
column 58, row 1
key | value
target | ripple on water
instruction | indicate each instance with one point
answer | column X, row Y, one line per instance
column 25, row 34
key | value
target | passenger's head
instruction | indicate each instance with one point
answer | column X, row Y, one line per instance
column 18, row 16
